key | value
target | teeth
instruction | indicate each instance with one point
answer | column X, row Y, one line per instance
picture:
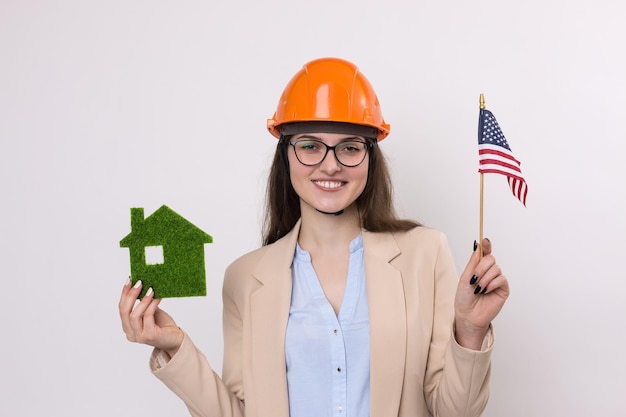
column 328, row 184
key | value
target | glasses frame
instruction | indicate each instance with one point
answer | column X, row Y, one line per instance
column 367, row 144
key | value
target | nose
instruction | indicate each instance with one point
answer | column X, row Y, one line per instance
column 330, row 164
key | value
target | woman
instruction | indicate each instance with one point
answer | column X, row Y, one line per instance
column 345, row 310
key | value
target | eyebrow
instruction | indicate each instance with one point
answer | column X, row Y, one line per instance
column 346, row 139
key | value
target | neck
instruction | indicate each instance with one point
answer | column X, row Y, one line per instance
column 328, row 231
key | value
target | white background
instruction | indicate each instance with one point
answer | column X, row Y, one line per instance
column 107, row 105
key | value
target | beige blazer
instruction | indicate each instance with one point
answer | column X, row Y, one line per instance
column 417, row 368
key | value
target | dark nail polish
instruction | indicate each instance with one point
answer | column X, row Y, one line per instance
column 477, row 289
column 473, row 279
column 484, row 290
column 475, row 246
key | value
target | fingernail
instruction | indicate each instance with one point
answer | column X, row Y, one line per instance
column 484, row 290
column 149, row 292
column 473, row 279
column 475, row 245
column 137, row 284
column 487, row 239
column 127, row 283
column 477, row 289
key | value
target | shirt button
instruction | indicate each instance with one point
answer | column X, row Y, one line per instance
column 338, row 369
column 340, row 408
column 335, row 331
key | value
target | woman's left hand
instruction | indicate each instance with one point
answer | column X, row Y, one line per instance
column 480, row 295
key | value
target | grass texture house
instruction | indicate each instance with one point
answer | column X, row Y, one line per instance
column 166, row 253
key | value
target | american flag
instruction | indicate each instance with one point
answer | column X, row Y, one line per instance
column 495, row 155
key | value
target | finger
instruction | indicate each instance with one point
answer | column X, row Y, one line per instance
column 468, row 272
column 127, row 301
column 129, row 295
column 498, row 284
column 124, row 294
column 148, row 317
column 486, row 245
column 136, row 317
column 486, row 271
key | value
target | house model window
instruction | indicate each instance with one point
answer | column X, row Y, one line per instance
column 154, row 255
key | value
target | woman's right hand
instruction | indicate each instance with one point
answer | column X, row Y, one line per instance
column 144, row 322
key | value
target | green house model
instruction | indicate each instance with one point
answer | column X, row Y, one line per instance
column 166, row 253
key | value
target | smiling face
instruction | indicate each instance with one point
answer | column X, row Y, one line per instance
column 328, row 187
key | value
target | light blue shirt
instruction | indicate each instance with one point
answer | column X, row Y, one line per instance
column 328, row 355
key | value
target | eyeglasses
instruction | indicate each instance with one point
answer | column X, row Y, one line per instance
column 311, row 152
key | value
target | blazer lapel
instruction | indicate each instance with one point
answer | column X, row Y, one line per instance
column 387, row 314
column 269, row 312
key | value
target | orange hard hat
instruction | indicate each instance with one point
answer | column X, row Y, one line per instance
column 329, row 90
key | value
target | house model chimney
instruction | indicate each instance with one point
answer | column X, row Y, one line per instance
column 136, row 218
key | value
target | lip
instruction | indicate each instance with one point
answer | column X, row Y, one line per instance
column 329, row 184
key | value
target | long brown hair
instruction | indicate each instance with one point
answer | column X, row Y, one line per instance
column 375, row 204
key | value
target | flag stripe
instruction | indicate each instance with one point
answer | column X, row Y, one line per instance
column 494, row 150
column 499, row 157
column 514, row 169
column 519, row 189
column 497, row 170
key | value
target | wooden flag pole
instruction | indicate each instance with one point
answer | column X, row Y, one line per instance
column 482, row 188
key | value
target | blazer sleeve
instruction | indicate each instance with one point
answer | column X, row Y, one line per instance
column 189, row 375
column 457, row 379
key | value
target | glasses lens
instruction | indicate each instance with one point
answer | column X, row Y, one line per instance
column 312, row 152
column 309, row 152
column 351, row 153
